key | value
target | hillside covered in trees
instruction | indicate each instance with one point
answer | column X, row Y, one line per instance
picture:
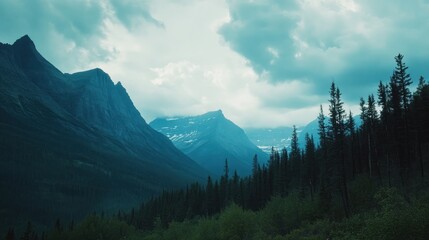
column 356, row 183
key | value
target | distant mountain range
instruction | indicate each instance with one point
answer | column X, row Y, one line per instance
column 266, row 138
column 71, row 144
column 209, row 139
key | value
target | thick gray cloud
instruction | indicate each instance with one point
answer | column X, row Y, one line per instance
column 257, row 30
column 350, row 42
column 265, row 63
column 131, row 12
column 67, row 30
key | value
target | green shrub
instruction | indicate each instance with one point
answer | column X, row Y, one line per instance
column 207, row 229
column 389, row 199
column 237, row 224
column 361, row 193
column 397, row 219
column 176, row 230
column 318, row 230
column 95, row 227
column 281, row 215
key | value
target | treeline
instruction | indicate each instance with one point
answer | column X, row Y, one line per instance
column 282, row 218
column 285, row 172
column 351, row 171
column 391, row 147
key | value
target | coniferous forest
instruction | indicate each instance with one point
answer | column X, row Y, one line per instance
column 366, row 182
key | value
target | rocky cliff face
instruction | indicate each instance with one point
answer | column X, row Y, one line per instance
column 104, row 105
column 209, row 139
column 71, row 144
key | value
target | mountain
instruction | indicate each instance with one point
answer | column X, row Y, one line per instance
column 266, row 138
column 209, row 139
column 71, row 144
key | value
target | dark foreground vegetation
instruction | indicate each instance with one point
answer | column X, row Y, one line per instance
column 368, row 182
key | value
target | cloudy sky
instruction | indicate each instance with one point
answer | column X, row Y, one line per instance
column 265, row 63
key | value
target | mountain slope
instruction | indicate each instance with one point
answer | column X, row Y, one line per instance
column 209, row 139
column 71, row 144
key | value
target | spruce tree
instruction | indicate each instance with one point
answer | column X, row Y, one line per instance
column 372, row 118
column 295, row 159
column 310, row 176
column 337, row 129
column 382, row 102
column 351, row 125
column 255, row 165
column 403, row 80
column 284, row 172
column 325, row 193
column 210, row 197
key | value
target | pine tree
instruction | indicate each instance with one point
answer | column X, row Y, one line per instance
column 325, row 192
column 394, row 102
column 351, row 125
column 365, row 143
column 372, row 118
column 210, row 197
column 284, row 172
column 337, row 128
column 382, row 102
column 419, row 120
column 401, row 95
column 274, row 172
column 255, row 165
column 385, row 139
column 226, row 170
column 403, row 80
column 363, row 112
column 310, row 176
column 295, row 159
column 235, row 188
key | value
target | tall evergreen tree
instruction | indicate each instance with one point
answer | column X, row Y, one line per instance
column 284, row 172
column 401, row 95
column 351, row 125
column 371, row 124
column 210, row 197
column 325, row 192
column 419, row 116
column 255, row 165
column 363, row 112
column 384, row 138
column 403, row 80
column 226, row 170
column 295, row 158
column 382, row 102
column 337, row 129
column 310, row 167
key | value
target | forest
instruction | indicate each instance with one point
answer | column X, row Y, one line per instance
column 366, row 182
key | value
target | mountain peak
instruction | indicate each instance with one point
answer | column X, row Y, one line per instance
column 119, row 85
column 24, row 41
column 94, row 76
column 209, row 139
column 217, row 113
column 97, row 70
